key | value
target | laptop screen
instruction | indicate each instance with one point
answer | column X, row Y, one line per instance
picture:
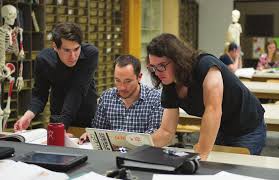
column 103, row 139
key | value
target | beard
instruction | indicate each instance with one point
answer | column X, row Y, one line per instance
column 127, row 94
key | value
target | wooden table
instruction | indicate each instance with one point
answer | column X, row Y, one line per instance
column 264, row 76
column 271, row 116
column 256, row 75
column 266, row 90
column 188, row 123
column 240, row 159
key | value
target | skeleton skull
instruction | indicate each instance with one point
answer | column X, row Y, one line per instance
column 235, row 16
column 9, row 13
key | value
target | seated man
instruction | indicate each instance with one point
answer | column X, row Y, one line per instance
column 130, row 106
column 232, row 57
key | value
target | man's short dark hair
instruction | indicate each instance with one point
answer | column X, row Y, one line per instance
column 67, row 31
column 125, row 60
column 232, row 46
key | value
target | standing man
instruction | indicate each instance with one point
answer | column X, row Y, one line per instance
column 232, row 58
column 129, row 106
column 66, row 71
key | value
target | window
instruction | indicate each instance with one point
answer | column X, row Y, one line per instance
column 151, row 24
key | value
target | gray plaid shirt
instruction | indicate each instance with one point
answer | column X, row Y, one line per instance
column 143, row 116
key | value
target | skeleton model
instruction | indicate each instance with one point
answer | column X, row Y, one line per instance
column 234, row 29
column 9, row 43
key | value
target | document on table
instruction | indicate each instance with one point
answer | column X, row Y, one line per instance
column 245, row 72
column 92, row 175
column 27, row 171
column 219, row 176
column 73, row 142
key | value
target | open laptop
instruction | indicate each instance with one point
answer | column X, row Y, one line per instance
column 111, row 140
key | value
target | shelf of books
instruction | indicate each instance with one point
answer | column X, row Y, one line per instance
column 101, row 22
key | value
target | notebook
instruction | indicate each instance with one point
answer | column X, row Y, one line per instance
column 111, row 140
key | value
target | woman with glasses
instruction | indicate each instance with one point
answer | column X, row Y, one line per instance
column 203, row 86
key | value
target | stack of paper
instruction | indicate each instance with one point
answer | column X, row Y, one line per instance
column 27, row 171
column 219, row 176
column 245, row 72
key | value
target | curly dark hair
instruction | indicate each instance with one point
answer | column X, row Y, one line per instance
column 180, row 53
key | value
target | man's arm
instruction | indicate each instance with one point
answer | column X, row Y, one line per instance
column 39, row 98
column 167, row 130
column 83, row 74
column 234, row 66
column 213, row 97
column 41, row 88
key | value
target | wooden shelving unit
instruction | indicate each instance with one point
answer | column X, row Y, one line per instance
column 188, row 21
column 101, row 22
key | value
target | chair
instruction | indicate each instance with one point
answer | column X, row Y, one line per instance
column 230, row 149
column 76, row 131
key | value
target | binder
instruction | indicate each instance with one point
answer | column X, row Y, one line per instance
column 158, row 159
column 6, row 152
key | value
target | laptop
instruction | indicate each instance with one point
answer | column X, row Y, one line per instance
column 111, row 140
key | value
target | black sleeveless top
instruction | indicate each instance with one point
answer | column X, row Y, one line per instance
column 241, row 110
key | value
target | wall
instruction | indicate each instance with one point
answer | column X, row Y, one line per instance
column 170, row 25
column 214, row 20
column 170, row 16
column 259, row 8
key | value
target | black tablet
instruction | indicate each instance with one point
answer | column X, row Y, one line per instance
column 6, row 152
column 53, row 161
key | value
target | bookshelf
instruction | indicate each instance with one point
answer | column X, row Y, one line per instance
column 101, row 22
column 32, row 45
column 188, row 21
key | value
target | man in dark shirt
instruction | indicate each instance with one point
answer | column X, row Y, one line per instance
column 232, row 57
column 66, row 71
column 203, row 86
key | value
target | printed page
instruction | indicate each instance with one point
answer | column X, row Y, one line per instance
column 73, row 142
column 27, row 171
column 92, row 175
column 227, row 175
column 245, row 72
column 35, row 136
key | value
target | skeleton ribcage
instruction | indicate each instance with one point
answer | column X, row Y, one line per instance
column 6, row 46
column 11, row 48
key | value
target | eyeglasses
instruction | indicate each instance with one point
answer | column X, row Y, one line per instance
column 159, row 67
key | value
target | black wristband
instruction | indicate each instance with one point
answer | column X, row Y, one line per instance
column 169, row 98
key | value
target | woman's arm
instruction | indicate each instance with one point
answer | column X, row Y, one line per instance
column 213, row 97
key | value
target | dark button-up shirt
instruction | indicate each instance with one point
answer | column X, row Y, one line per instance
column 72, row 89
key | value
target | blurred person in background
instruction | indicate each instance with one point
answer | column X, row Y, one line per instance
column 270, row 59
column 232, row 57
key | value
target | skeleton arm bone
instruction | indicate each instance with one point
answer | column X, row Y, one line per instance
column 21, row 55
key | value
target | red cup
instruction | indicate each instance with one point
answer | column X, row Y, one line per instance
column 55, row 134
